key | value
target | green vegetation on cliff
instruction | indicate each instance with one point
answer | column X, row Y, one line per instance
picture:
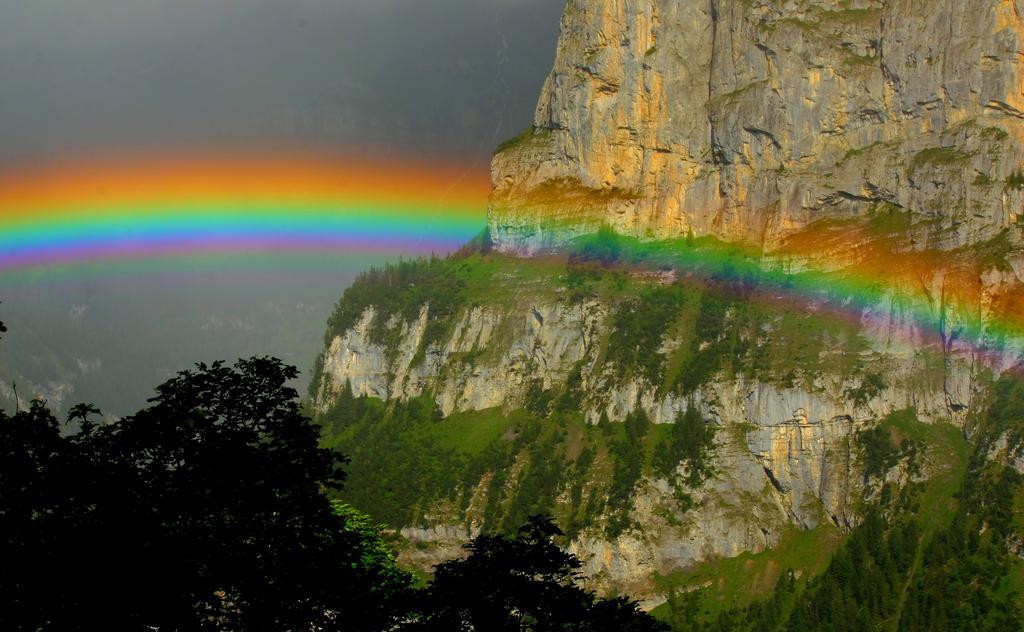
column 676, row 317
column 401, row 290
column 498, row 469
column 725, row 313
column 936, row 555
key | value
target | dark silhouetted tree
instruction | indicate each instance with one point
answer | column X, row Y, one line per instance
column 205, row 510
column 525, row 582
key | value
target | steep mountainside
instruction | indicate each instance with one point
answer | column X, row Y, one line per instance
column 747, row 286
column 750, row 119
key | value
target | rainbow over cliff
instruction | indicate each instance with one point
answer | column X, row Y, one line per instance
column 264, row 212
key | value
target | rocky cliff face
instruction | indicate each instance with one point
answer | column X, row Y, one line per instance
column 785, row 455
column 494, row 359
column 785, row 124
column 751, row 119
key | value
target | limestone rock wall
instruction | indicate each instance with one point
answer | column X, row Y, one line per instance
column 749, row 119
column 784, row 456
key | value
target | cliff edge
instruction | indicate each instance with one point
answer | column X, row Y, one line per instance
column 752, row 119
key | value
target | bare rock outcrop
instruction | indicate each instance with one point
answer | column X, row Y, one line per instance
column 749, row 120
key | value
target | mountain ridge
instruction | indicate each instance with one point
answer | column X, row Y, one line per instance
column 750, row 120
column 839, row 310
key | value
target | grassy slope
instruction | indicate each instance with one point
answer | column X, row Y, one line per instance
column 403, row 461
column 723, row 583
column 732, row 583
column 791, row 352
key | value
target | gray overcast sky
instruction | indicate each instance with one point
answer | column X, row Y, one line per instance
column 82, row 77
column 430, row 76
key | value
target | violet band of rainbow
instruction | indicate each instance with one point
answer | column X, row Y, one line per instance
column 117, row 211
column 132, row 213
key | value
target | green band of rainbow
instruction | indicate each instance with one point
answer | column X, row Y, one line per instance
column 917, row 299
column 189, row 207
column 239, row 207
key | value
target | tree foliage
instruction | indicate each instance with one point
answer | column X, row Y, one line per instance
column 523, row 582
column 208, row 510
column 399, row 289
column 629, row 462
column 688, row 442
column 603, row 248
column 896, row 573
column 203, row 511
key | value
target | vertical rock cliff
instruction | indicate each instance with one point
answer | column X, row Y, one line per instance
column 879, row 140
column 750, row 120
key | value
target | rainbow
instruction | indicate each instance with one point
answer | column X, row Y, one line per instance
column 220, row 207
column 309, row 212
column 869, row 278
